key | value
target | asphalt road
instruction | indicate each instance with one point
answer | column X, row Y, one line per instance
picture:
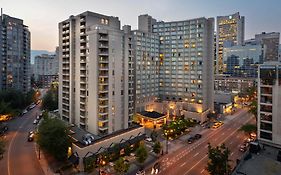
column 20, row 157
column 192, row 159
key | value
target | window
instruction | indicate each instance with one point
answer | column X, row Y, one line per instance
column 266, row 135
column 122, row 92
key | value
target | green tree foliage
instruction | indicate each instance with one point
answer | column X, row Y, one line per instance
column 218, row 163
column 154, row 135
column 89, row 164
column 2, row 148
column 141, row 154
column 254, row 108
column 53, row 138
column 121, row 166
column 14, row 101
column 50, row 100
column 248, row 128
column 157, row 147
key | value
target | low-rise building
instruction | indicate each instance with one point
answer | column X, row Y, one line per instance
column 237, row 85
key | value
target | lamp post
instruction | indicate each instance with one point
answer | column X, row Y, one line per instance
column 167, row 137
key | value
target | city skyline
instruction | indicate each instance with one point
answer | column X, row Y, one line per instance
column 44, row 32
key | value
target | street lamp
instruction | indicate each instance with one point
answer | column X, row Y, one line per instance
column 167, row 137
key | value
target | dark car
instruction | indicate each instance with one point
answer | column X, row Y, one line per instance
column 197, row 136
column 3, row 128
column 190, row 140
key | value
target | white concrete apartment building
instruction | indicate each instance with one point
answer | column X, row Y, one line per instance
column 269, row 102
column 96, row 73
column 146, row 47
column 186, row 62
column 183, row 68
column 230, row 32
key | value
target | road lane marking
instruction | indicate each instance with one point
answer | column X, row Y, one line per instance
column 183, row 164
column 219, row 144
column 202, row 171
column 11, row 143
column 214, row 132
column 206, row 146
column 196, row 155
column 231, row 153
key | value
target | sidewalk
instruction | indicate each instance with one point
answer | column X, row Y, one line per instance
column 43, row 162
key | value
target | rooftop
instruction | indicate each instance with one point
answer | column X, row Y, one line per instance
column 263, row 163
column 153, row 114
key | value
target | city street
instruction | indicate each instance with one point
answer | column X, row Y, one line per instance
column 191, row 159
column 20, row 157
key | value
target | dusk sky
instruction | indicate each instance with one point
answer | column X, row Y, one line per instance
column 43, row 16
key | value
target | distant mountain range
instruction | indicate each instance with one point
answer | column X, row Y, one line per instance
column 34, row 53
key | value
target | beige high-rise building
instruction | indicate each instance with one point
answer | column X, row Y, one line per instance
column 96, row 73
column 186, row 56
column 230, row 32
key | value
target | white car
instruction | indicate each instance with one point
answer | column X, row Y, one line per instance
column 140, row 172
column 24, row 111
column 87, row 139
column 35, row 121
column 148, row 139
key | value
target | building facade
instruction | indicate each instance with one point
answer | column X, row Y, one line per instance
column 270, row 44
column 243, row 60
column 186, row 62
column 146, row 46
column 279, row 53
column 269, row 102
column 96, row 73
column 14, row 54
column 226, row 83
column 230, row 32
column 46, row 68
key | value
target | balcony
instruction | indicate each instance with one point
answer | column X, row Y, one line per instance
column 266, row 91
column 266, row 100
column 103, row 53
column 103, row 128
column 103, row 38
column 103, row 66
column 103, row 81
column 103, row 60
column 266, row 108
column 103, row 46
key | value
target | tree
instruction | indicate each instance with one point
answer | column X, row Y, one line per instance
column 157, row 147
column 253, row 108
column 2, row 148
column 53, row 138
column 154, row 135
column 218, row 163
column 50, row 100
column 141, row 154
column 121, row 166
column 248, row 128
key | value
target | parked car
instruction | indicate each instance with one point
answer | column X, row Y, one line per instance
column 148, row 139
column 197, row 136
column 3, row 128
column 140, row 172
column 31, row 135
column 156, row 168
column 87, row 139
column 35, row 122
column 24, row 112
column 243, row 148
column 190, row 140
